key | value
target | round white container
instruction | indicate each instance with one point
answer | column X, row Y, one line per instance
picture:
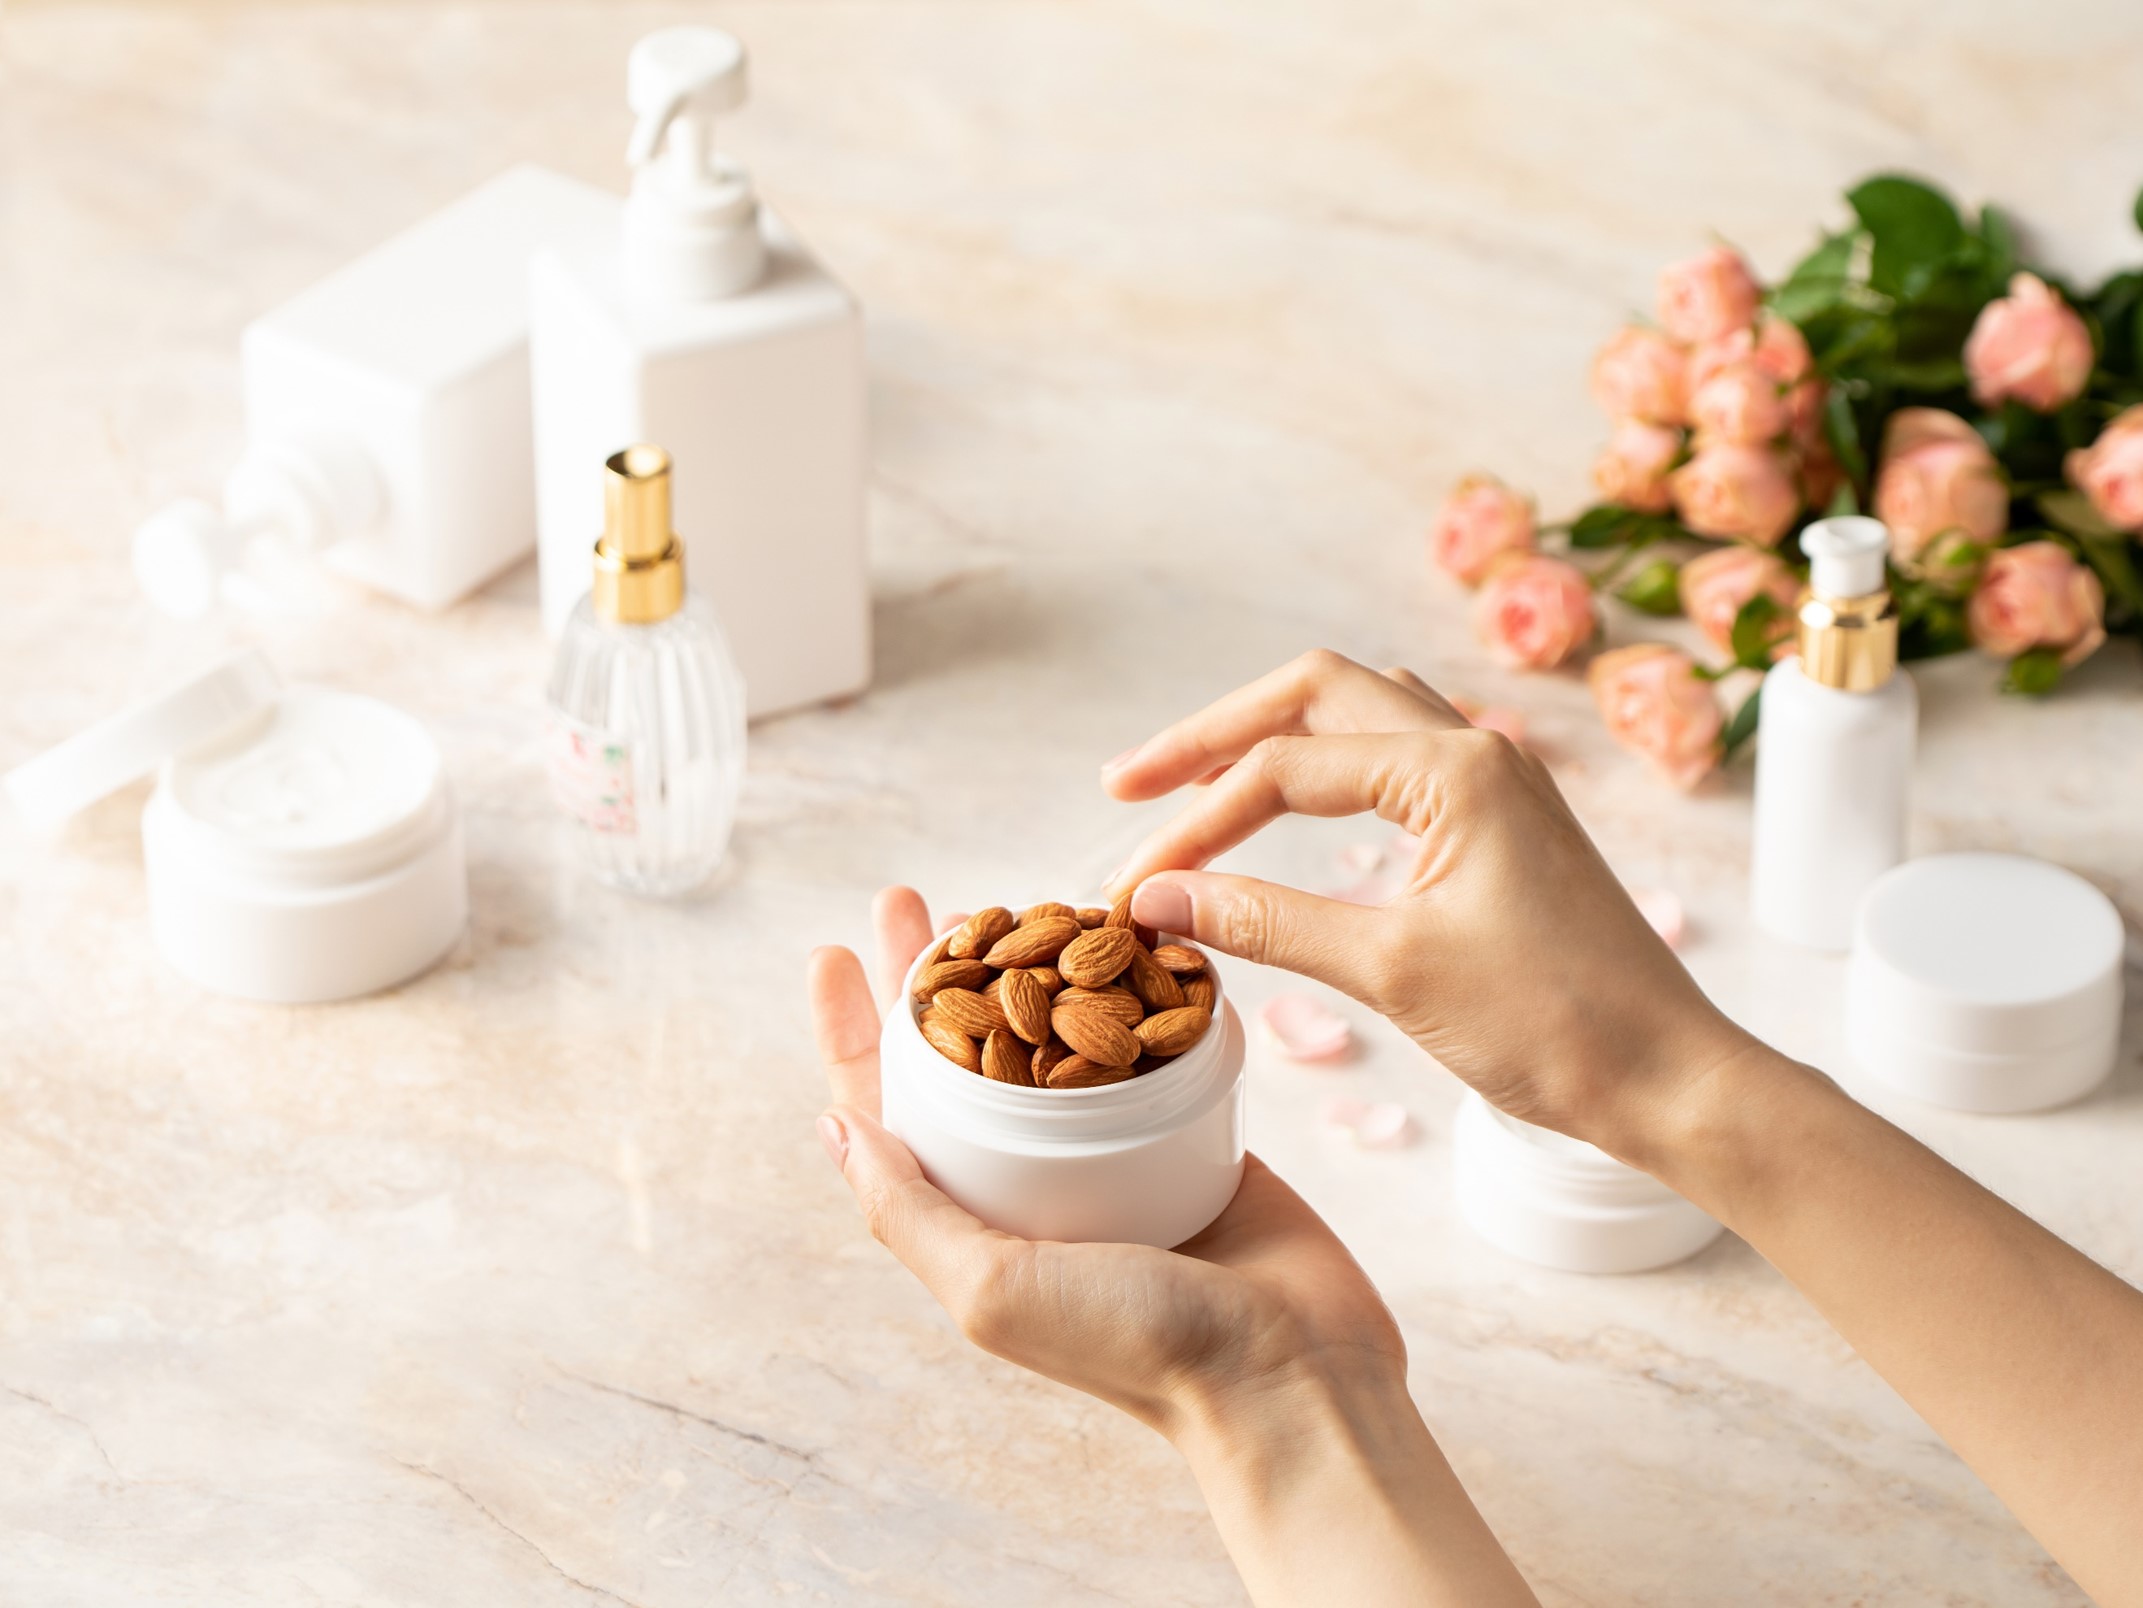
column 302, row 844
column 1544, row 1197
column 1985, row 982
column 1149, row 1161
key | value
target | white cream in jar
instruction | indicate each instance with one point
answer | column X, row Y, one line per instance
column 302, row 844
column 1149, row 1161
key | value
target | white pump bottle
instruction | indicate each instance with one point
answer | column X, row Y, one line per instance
column 1834, row 751
column 708, row 329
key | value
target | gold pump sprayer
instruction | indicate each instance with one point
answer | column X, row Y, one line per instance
column 639, row 562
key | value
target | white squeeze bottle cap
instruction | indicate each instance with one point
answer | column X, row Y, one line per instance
column 692, row 225
column 1845, row 555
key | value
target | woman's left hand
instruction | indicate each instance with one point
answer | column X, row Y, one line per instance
column 1259, row 1348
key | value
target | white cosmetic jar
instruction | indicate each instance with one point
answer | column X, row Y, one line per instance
column 1546, row 1198
column 1985, row 982
column 301, row 845
column 1149, row 1161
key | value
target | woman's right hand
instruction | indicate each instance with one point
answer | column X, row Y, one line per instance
column 1511, row 953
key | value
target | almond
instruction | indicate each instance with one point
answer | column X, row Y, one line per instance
column 971, row 1013
column 971, row 940
column 1077, row 1072
column 1180, row 960
column 1094, row 1031
column 1091, row 916
column 950, row 974
column 1097, row 957
column 1049, row 977
column 1025, row 1003
column 953, row 1044
column 1120, row 916
column 1044, row 911
column 1035, row 944
column 1173, row 1032
column 1120, row 1003
column 1145, row 977
column 1200, row 991
column 1047, row 1056
column 1005, row 1060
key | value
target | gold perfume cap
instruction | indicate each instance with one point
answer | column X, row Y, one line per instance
column 639, row 562
column 1848, row 622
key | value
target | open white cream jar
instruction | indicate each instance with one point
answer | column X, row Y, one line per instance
column 1149, row 1161
column 302, row 844
column 1547, row 1198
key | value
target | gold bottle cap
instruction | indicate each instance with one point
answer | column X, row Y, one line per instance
column 639, row 562
column 1848, row 642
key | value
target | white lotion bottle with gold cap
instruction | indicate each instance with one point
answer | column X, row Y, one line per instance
column 1834, row 751
column 646, row 742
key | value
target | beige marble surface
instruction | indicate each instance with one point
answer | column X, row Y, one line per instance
column 527, row 1284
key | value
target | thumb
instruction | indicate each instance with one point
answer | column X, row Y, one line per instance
column 1328, row 939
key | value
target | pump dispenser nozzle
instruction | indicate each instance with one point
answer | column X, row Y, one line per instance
column 692, row 226
column 1848, row 622
column 639, row 563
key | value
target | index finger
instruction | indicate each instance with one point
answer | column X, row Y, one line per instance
column 1320, row 693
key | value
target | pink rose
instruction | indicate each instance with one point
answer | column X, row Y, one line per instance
column 1937, row 475
column 1707, row 296
column 1736, row 493
column 2037, row 596
column 1632, row 468
column 1773, row 344
column 1655, row 704
column 2030, row 345
column 2110, row 471
column 1534, row 611
column 1480, row 519
column 1739, row 403
column 1638, row 374
column 1714, row 585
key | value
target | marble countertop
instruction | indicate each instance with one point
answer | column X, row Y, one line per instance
column 528, row 1283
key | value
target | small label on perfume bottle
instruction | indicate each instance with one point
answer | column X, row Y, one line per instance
column 591, row 775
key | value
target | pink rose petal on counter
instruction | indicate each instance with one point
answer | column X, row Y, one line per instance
column 1493, row 717
column 1663, row 911
column 1344, row 1111
column 1361, row 858
column 1302, row 1029
column 1384, row 1126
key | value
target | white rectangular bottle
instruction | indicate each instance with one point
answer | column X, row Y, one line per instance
column 387, row 410
column 1834, row 749
column 709, row 330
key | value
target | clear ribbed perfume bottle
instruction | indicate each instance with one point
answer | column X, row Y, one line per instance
column 646, row 742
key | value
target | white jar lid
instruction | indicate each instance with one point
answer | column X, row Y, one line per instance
column 237, row 688
column 1987, row 982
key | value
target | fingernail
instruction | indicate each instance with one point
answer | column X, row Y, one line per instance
column 1124, row 758
column 835, row 1138
column 1163, row 905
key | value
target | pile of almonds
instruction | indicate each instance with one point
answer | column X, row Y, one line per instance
column 1058, row 998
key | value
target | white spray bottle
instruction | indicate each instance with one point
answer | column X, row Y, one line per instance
column 1834, row 751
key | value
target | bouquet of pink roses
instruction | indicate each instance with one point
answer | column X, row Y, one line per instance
column 1909, row 365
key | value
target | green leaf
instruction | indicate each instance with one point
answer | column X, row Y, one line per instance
column 1743, row 726
column 2072, row 511
column 2137, row 211
column 2034, row 673
column 1655, row 589
column 1600, row 526
column 1842, row 501
column 1820, row 281
column 2113, row 557
column 1913, row 227
column 1758, row 626
column 2001, row 242
column 1930, row 374
column 1842, row 430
